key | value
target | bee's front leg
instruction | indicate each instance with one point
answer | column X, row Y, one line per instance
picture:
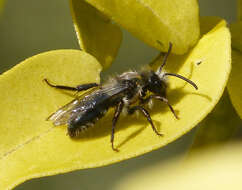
column 163, row 99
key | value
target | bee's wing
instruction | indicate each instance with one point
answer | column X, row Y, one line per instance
column 111, row 89
column 62, row 115
column 84, row 102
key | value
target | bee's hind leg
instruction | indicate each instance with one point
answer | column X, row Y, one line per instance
column 77, row 88
column 146, row 114
column 118, row 110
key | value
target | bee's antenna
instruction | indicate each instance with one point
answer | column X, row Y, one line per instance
column 166, row 56
column 183, row 78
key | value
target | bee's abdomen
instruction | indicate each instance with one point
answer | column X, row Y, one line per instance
column 84, row 121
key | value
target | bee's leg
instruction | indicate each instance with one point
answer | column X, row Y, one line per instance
column 77, row 88
column 163, row 99
column 86, row 86
column 146, row 114
column 118, row 110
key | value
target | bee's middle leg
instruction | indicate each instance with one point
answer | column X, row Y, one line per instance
column 77, row 88
column 117, row 113
column 146, row 114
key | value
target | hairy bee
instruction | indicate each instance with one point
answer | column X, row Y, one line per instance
column 128, row 91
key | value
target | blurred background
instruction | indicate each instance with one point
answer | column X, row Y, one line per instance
column 30, row 27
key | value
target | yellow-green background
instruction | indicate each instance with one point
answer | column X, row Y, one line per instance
column 29, row 27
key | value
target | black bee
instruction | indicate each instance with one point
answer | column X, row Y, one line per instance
column 128, row 91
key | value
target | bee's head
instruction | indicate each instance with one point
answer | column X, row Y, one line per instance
column 156, row 81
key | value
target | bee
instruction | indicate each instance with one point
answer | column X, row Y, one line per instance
column 127, row 92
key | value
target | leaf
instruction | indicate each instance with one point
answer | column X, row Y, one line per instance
column 27, row 139
column 234, row 83
column 239, row 9
column 217, row 168
column 236, row 29
column 96, row 34
column 207, row 23
column 32, row 147
column 219, row 126
column 166, row 21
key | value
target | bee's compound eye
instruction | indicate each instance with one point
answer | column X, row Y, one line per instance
column 155, row 84
column 155, row 81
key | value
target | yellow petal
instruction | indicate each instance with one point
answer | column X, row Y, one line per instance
column 217, row 168
column 32, row 147
column 219, row 126
column 95, row 32
column 167, row 21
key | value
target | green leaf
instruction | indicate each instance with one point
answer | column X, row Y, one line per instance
column 234, row 83
column 96, row 34
column 239, row 10
column 166, row 21
column 31, row 147
column 236, row 29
